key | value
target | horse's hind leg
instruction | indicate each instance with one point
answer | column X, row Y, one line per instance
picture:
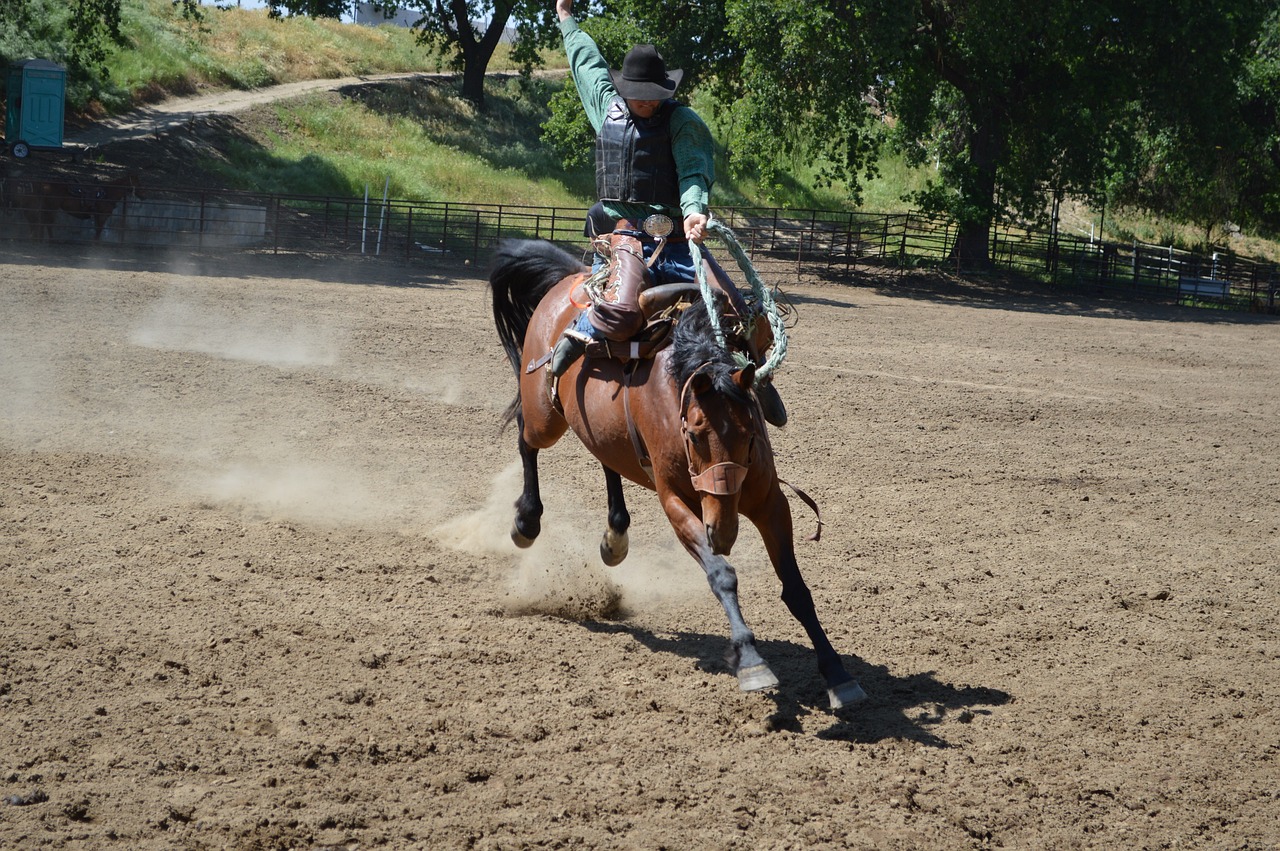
column 528, row 523
column 614, row 544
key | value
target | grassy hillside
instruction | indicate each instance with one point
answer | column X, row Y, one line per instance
column 166, row 54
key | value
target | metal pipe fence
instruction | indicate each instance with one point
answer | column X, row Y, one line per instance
column 783, row 245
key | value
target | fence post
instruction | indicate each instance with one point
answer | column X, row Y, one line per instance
column 200, row 226
column 848, row 248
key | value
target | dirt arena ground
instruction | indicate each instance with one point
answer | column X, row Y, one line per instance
column 256, row 589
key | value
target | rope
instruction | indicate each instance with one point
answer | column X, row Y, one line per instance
column 763, row 297
column 713, row 307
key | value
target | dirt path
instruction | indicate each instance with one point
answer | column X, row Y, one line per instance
column 175, row 112
column 256, row 590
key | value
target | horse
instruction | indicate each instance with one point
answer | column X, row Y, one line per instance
column 684, row 423
column 40, row 202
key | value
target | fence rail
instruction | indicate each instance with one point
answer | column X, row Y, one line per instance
column 782, row 244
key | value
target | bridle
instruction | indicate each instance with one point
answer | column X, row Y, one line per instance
column 724, row 478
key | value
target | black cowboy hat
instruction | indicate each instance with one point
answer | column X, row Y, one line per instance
column 644, row 75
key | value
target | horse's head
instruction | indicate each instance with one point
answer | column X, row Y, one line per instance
column 719, row 429
column 100, row 201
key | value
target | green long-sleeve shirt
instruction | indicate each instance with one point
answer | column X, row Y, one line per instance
column 691, row 144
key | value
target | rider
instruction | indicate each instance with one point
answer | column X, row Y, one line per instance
column 653, row 155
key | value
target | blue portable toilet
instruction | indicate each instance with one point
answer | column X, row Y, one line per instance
column 37, row 91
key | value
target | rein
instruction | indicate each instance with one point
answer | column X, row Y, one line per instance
column 764, row 298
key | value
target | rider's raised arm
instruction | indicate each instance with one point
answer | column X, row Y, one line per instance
column 588, row 67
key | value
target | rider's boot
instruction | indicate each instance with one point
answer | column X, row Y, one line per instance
column 775, row 413
column 570, row 347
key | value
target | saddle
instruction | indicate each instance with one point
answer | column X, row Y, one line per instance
column 661, row 306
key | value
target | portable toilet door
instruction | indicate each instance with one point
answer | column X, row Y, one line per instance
column 37, row 90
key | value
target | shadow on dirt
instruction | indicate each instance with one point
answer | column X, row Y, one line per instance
column 905, row 708
column 346, row 269
column 1010, row 292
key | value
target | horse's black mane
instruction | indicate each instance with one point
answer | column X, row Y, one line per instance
column 694, row 344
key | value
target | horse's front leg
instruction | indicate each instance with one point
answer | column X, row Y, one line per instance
column 614, row 545
column 773, row 519
column 528, row 523
column 752, row 671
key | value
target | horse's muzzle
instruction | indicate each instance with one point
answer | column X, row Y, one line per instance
column 723, row 479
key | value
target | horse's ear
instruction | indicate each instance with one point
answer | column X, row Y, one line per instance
column 700, row 383
column 746, row 377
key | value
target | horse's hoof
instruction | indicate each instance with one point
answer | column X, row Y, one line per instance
column 756, row 677
column 520, row 540
column 846, row 694
column 613, row 548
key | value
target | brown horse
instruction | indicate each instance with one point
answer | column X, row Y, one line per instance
column 40, row 202
column 684, row 423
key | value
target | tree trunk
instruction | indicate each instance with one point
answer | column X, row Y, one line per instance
column 970, row 250
column 473, row 72
column 476, row 52
column 978, row 189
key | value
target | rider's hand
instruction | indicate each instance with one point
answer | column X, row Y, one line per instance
column 564, row 8
column 695, row 224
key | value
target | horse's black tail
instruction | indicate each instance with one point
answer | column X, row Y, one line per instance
column 521, row 273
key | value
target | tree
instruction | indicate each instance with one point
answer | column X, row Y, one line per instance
column 468, row 32
column 1013, row 99
column 78, row 33
column 1260, row 109
column 309, row 8
column 1222, row 166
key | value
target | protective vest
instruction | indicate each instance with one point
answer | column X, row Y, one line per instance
column 634, row 162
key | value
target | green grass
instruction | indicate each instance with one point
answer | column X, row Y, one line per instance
column 419, row 137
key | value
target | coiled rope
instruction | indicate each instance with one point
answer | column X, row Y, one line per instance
column 765, row 304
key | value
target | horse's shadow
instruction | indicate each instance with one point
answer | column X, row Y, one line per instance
column 900, row 707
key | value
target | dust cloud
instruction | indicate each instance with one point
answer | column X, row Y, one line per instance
column 561, row 574
column 269, row 445
column 251, row 332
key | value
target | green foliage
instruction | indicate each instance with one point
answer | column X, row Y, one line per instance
column 1198, row 154
column 567, row 132
column 310, row 8
column 1014, row 99
column 79, row 35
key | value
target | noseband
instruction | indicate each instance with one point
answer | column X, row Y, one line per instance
column 722, row 479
